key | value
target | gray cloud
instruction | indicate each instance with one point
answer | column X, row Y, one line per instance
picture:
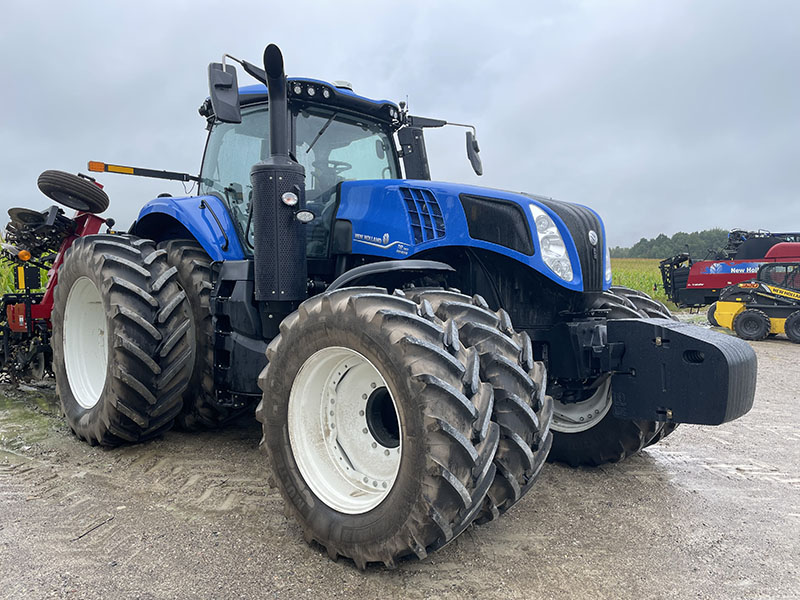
column 663, row 116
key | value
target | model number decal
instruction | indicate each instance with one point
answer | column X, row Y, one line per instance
column 381, row 242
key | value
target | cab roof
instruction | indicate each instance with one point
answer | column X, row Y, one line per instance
column 324, row 93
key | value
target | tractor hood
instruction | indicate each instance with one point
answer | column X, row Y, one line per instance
column 399, row 218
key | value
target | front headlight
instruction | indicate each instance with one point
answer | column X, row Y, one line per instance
column 554, row 250
column 608, row 264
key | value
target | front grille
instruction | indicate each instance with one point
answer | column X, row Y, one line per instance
column 580, row 220
column 424, row 214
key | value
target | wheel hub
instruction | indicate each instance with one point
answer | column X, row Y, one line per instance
column 575, row 417
column 344, row 430
column 85, row 344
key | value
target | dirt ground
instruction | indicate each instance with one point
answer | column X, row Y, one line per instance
column 711, row 512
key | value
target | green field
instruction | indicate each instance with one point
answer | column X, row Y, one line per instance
column 640, row 274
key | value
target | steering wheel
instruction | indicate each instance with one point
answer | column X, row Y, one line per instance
column 339, row 166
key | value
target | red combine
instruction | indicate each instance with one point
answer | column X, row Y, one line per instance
column 690, row 283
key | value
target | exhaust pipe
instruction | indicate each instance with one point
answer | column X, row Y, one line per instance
column 281, row 271
column 278, row 109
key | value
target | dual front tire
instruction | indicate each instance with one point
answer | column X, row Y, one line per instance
column 382, row 423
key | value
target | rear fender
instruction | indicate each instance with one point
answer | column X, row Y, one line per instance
column 206, row 218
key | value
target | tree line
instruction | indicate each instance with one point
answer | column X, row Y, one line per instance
column 698, row 243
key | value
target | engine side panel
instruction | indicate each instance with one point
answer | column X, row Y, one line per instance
column 402, row 218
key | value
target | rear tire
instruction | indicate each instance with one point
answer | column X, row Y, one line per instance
column 792, row 327
column 521, row 408
column 752, row 324
column 350, row 338
column 122, row 349
column 200, row 409
column 711, row 315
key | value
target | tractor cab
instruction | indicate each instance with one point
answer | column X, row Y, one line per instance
column 330, row 139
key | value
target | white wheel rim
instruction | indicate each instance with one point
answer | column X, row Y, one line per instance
column 344, row 430
column 85, row 347
column 575, row 417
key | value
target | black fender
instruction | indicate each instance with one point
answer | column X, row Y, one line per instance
column 390, row 273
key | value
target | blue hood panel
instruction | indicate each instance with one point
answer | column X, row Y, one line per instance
column 398, row 218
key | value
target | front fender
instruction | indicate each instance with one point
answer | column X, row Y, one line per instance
column 217, row 236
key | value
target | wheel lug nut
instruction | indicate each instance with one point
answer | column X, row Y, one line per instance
column 374, row 445
column 386, row 452
column 365, row 430
column 361, row 413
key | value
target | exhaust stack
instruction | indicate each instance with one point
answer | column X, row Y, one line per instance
column 281, row 272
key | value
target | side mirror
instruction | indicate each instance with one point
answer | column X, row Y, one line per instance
column 224, row 91
column 472, row 153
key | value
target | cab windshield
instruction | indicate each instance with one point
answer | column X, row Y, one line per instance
column 332, row 146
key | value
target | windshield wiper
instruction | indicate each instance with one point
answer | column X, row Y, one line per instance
column 321, row 131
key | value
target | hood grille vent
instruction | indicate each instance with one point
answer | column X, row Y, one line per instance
column 424, row 213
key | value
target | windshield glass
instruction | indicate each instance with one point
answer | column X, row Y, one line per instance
column 332, row 147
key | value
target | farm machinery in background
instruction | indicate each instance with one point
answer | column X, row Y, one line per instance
column 768, row 304
column 697, row 283
column 36, row 241
column 416, row 349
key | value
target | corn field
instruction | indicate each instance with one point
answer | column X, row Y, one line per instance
column 640, row 274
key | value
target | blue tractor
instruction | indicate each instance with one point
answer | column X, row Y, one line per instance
column 416, row 349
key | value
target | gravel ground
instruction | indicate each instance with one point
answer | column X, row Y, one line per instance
column 711, row 512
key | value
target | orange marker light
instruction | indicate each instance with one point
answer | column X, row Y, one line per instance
column 24, row 255
column 97, row 166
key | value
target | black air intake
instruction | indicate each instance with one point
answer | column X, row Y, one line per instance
column 497, row 221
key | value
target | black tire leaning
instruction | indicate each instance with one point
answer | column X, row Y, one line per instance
column 610, row 440
column 444, row 413
column 200, row 409
column 521, row 408
column 148, row 339
column 73, row 191
column 752, row 324
column 792, row 327
column 711, row 315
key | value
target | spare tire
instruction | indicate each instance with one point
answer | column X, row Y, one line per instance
column 73, row 191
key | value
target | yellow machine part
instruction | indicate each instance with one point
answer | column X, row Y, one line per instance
column 726, row 312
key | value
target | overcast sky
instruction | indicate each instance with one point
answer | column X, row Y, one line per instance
column 663, row 116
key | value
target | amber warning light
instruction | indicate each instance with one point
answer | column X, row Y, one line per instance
column 101, row 167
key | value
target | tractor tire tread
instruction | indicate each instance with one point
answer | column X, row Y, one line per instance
column 133, row 406
column 458, row 467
